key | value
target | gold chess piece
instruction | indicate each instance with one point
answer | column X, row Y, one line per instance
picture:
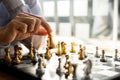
column 81, row 54
column 16, row 59
column 7, row 57
column 17, row 48
column 31, row 53
column 69, row 70
column 58, row 52
column 72, row 47
column 63, row 48
column 50, row 42
column 48, row 54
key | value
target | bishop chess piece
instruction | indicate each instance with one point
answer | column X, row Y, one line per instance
column 7, row 57
column 63, row 48
column 87, row 70
column 48, row 54
column 58, row 52
column 59, row 69
column 40, row 70
column 31, row 52
column 72, row 47
column 103, row 56
column 50, row 42
column 96, row 53
column 116, row 55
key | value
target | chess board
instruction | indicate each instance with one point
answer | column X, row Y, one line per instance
column 108, row 70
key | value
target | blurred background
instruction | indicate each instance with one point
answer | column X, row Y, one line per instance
column 83, row 19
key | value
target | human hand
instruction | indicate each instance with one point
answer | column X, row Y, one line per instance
column 23, row 26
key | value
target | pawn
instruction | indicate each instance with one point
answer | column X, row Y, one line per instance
column 103, row 56
column 31, row 53
column 17, row 49
column 48, row 54
column 50, row 42
column 63, row 48
column 16, row 59
column 96, row 54
column 58, row 52
column 40, row 70
column 72, row 47
column 7, row 57
column 81, row 54
column 116, row 55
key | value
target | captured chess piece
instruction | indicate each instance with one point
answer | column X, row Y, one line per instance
column 59, row 69
column 48, row 54
column 72, row 47
column 87, row 70
column 50, row 42
column 40, row 70
column 58, row 52
column 103, row 56
column 96, row 54
column 17, row 54
column 69, row 69
column 31, row 52
column 81, row 54
column 63, row 48
column 116, row 55
column 7, row 57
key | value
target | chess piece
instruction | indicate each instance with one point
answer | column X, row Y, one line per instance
column 50, row 42
column 35, row 59
column 43, row 62
column 67, row 60
column 116, row 55
column 81, row 54
column 58, row 52
column 17, row 54
column 59, row 69
column 63, row 48
column 69, row 70
column 17, row 49
column 7, row 57
column 31, row 53
column 72, row 47
column 96, row 54
column 40, row 70
column 103, row 56
column 48, row 54
column 87, row 70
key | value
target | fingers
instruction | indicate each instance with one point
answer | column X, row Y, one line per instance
column 43, row 22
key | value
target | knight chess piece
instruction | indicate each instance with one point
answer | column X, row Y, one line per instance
column 116, row 55
column 96, row 54
column 87, row 70
column 31, row 52
column 50, row 42
column 63, row 48
column 58, row 52
column 72, row 47
column 103, row 56
column 40, row 70
column 7, row 57
column 48, row 54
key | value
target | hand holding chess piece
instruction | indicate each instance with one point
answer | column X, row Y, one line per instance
column 87, row 70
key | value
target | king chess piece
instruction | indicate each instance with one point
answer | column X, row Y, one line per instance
column 7, row 57
column 87, row 70
column 40, row 70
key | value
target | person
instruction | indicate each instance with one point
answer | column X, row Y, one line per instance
column 20, row 21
